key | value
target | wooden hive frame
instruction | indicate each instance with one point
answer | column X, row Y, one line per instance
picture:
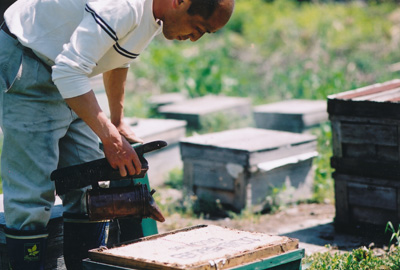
column 276, row 246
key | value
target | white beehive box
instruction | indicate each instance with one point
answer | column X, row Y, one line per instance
column 241, row 167
column 203, row 111
column 297, row 115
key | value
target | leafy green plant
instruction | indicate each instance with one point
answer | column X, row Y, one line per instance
column 358, row 259
column 323, row 181
column 395, row 233
column 175, row 179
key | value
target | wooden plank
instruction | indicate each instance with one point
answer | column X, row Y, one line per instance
column 205, row 105
column 294, row 115
column 199, row 247
column 366, row 133
column 368, row 90
column 194, row 110
column 374, row 216
column 341, row 202
column 366, row 168
column 246, row 146
column 359, row 150
column 366, row 180
column 398, row 143
column 287, row 261
column 371, row 151
column 365, row 120
column 372, row 196
column 215, row 175
column 188, row 176
column 336, row 138
column 387, row 153
column 381, row 96
column 374, row 109
column 398, row 203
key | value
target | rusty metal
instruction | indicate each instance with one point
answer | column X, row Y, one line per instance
column 131, row 201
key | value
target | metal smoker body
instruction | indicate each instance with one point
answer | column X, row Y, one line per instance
column 116, row 202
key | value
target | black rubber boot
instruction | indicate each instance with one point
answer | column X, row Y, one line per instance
column 80, row 236
column 26, row 249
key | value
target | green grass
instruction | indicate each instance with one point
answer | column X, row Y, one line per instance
column 279, row 50
column 358, row 259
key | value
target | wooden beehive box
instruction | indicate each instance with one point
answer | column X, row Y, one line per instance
column 241, row 167
column 198, row 248
column 162, row 161
column 297, row 115
column 366, row 154
column 204, row 111
column 366, row 203
column 156, row 101
column 54, row 258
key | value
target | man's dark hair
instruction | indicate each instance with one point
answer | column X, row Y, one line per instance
column 204, row 8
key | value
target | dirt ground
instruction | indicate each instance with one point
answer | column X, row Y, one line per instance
column 312, row 224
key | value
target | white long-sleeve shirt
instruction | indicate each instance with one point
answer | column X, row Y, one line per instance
column 83, row 38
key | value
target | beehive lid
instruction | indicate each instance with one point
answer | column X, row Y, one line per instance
column 247, row 146
column 293, row 107
column 204, row 105
column 151, row 129
column 200, row 247
column 380, row 100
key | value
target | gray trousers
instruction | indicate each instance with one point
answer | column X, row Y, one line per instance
column 41, row 133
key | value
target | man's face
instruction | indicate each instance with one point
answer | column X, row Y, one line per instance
column 180, row 25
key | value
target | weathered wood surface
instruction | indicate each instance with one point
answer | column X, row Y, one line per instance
column 378, row 100
column 367, row 138
column 195, row 111
column 290, row 260
column 151, row 129
column 200, row 247
column 367, row 168
column 367, row 91
column 156, row 101
column 241, row 167
column 246, row 146
column 366, row 154
column 366, row 200
column 296, row 115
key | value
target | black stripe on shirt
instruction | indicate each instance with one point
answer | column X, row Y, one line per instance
column 102, row 23
column 111, row 33
column 124, row 52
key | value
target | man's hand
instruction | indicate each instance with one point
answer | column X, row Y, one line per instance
column 117, row 149
column 126, row 131
column 121, row 155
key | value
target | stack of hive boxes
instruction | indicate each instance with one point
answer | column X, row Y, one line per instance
column 366, row 155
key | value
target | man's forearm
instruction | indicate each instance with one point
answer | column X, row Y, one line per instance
column 88, row 109
column 117, row 150
column 114, row 83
